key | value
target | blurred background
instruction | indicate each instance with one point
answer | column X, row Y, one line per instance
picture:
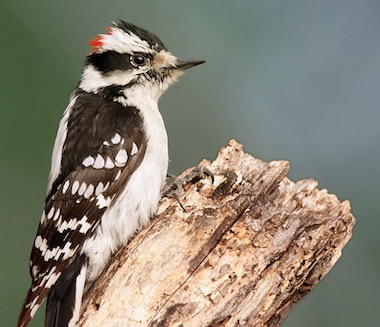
column 296, row 80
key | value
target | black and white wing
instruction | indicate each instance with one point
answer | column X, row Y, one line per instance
column 104, row 144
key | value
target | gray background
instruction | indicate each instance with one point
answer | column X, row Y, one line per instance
column 295, row 80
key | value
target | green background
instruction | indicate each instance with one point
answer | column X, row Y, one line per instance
column 296, row 80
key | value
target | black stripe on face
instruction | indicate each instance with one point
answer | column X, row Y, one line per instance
column 109, row 61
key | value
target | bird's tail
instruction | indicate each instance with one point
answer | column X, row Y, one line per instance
column 32, row 302
column 65, row 298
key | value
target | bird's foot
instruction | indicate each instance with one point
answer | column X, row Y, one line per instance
column 175, row 188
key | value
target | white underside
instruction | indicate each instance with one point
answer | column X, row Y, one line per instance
column 139, row 200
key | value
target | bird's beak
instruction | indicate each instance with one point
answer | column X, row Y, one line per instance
column 184, row 64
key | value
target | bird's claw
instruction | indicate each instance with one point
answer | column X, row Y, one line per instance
column 176, row 187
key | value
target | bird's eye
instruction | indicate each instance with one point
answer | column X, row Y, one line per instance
column 138, row 60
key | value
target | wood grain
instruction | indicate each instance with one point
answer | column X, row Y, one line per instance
column 248, row 247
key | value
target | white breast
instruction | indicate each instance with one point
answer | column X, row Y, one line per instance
column 139, row 200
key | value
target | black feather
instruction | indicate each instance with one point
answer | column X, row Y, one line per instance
column 50, row 261
column 59, row 306
column 152, row 39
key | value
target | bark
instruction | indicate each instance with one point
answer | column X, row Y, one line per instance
column 249, row 246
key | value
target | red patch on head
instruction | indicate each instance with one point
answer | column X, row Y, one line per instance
column 96, row 43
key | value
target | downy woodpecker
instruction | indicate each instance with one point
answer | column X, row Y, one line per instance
column 109, row 164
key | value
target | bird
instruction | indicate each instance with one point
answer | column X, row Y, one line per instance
column 108, row 168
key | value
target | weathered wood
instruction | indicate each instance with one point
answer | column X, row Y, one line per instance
column 247, row 248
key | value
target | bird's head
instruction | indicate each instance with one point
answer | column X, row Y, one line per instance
column 129, row 57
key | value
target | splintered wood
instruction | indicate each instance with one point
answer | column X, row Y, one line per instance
column 246, row 249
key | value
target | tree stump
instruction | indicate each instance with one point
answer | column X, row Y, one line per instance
column 247, row 248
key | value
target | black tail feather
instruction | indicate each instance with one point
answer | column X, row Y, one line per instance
column 64, row 299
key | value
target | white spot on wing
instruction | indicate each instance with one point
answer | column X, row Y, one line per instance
column 105, row 188
column 118, row 175
column 34, row 270
column 57, row 214
column 121, row 158
column 54, row 253
column 35, row 288
column 51, row 213
column 34, row 309
column 99, row 188
column 106, row 143
column 88, row 161
column 99, row 162
column 68, row 251
column 85, row 225
column 109, row 164
column 135, row 149
column 103, row 202
column 71, row 224
column 33, row 303
column 65, row 187
column 89, row 191
column 59, row 253
column 41, row 244
column 74, row 187
column 43, row 217
column 52, row 278
column 82, row 189
column 116, row 138
column 38, row 241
